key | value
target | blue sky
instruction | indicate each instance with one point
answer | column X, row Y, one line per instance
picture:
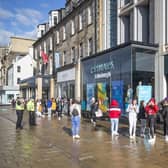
column 21, row 17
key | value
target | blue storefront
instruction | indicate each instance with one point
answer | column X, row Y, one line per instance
column 118, row 73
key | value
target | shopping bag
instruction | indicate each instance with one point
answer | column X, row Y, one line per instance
column 99, row 113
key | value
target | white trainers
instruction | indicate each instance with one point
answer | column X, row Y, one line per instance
column 77, row 136
column 116, row 134
column 166, row 138
column 73, row 136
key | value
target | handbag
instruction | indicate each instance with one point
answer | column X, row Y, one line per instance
column 98, row 113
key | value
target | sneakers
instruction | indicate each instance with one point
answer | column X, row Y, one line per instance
column 166, row 138
column 76, row 137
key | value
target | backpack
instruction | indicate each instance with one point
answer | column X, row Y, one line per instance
column 75, row 112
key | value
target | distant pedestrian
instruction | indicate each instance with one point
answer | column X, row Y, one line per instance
column 59, row 108
column 53, row 107
column 114, row 114
column 142, row 118
column 75, row 112
column 132, row 110
column 151, row 110
column 39, row 108
column 19, row 113
column 93, row 109
column 49, row 105
column 31, row 110
column 165, row 118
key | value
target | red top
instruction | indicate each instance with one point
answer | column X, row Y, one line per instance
column 114, row 111
column 151, row 109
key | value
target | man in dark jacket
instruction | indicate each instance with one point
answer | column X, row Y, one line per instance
column 165, row 118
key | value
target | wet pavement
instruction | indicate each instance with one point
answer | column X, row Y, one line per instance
column 49, row 145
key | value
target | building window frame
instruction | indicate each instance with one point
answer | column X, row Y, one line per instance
column 57, row 37
column 80, row 22
column 18, row 80
column 72, row 54
column 18, row 68
column 72, row 27
column 90, row 46
column 63, row 33
column 89, row 17
column 81, row 49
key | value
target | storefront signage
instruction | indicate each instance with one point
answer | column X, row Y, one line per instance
column 103, row 75
column 99, row 68
column 67, row 75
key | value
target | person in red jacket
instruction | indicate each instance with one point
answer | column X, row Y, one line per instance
column 151, row 110
column 114, row 114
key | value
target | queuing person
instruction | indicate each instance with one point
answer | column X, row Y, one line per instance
column 31, row 110
column 151, row 110
column 165, row 118
column 114, row 114
column 93, row 109
column 75, row 112
column 59, row 108
column 53, row 107
column 49, row 104
column 133, row 111
column 19, row 113
column 39, row 108
column 142, row 118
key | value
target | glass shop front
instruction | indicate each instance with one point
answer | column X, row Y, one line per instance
column 121, row 73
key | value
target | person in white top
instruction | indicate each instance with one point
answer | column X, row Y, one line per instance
column 133, row 110
column 75, row 112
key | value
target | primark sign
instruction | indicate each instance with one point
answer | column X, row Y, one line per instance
column 102, row 70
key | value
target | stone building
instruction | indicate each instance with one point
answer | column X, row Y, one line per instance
column 68, row 39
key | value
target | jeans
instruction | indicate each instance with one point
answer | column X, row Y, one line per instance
column 19, row 118
column 75, row 125
column 143, row 126
column 151, row 122
column 165, row 127
column 114, row 125
column 49, row 112
column 132, row 124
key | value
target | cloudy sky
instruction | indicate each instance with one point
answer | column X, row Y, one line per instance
column 21, row 17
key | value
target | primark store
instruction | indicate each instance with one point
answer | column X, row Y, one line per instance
column 121, row 73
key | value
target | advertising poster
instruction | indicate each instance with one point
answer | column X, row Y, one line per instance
column 145, row 93
column 102, row 97
column 90, row 92
column 117, row 92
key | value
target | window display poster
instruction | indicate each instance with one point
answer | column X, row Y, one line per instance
column 90, row 92
column 117, row 92
column 102, row 97
column 145, row 93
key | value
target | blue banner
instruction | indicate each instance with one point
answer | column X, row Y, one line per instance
column 117, row 92
column 144, row 93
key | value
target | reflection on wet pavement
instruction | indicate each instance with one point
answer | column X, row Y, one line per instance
column 49, row 145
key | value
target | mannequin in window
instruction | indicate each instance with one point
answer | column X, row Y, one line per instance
column 129, row 94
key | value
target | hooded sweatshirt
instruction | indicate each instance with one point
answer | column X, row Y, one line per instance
column 151, row 109
column 114, row 111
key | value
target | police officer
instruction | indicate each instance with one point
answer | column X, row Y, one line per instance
column 31, row 110
column 19, row 112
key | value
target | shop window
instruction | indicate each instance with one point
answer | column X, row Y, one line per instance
column 18, row 69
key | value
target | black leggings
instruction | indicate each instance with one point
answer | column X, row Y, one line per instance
column 151, row 124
